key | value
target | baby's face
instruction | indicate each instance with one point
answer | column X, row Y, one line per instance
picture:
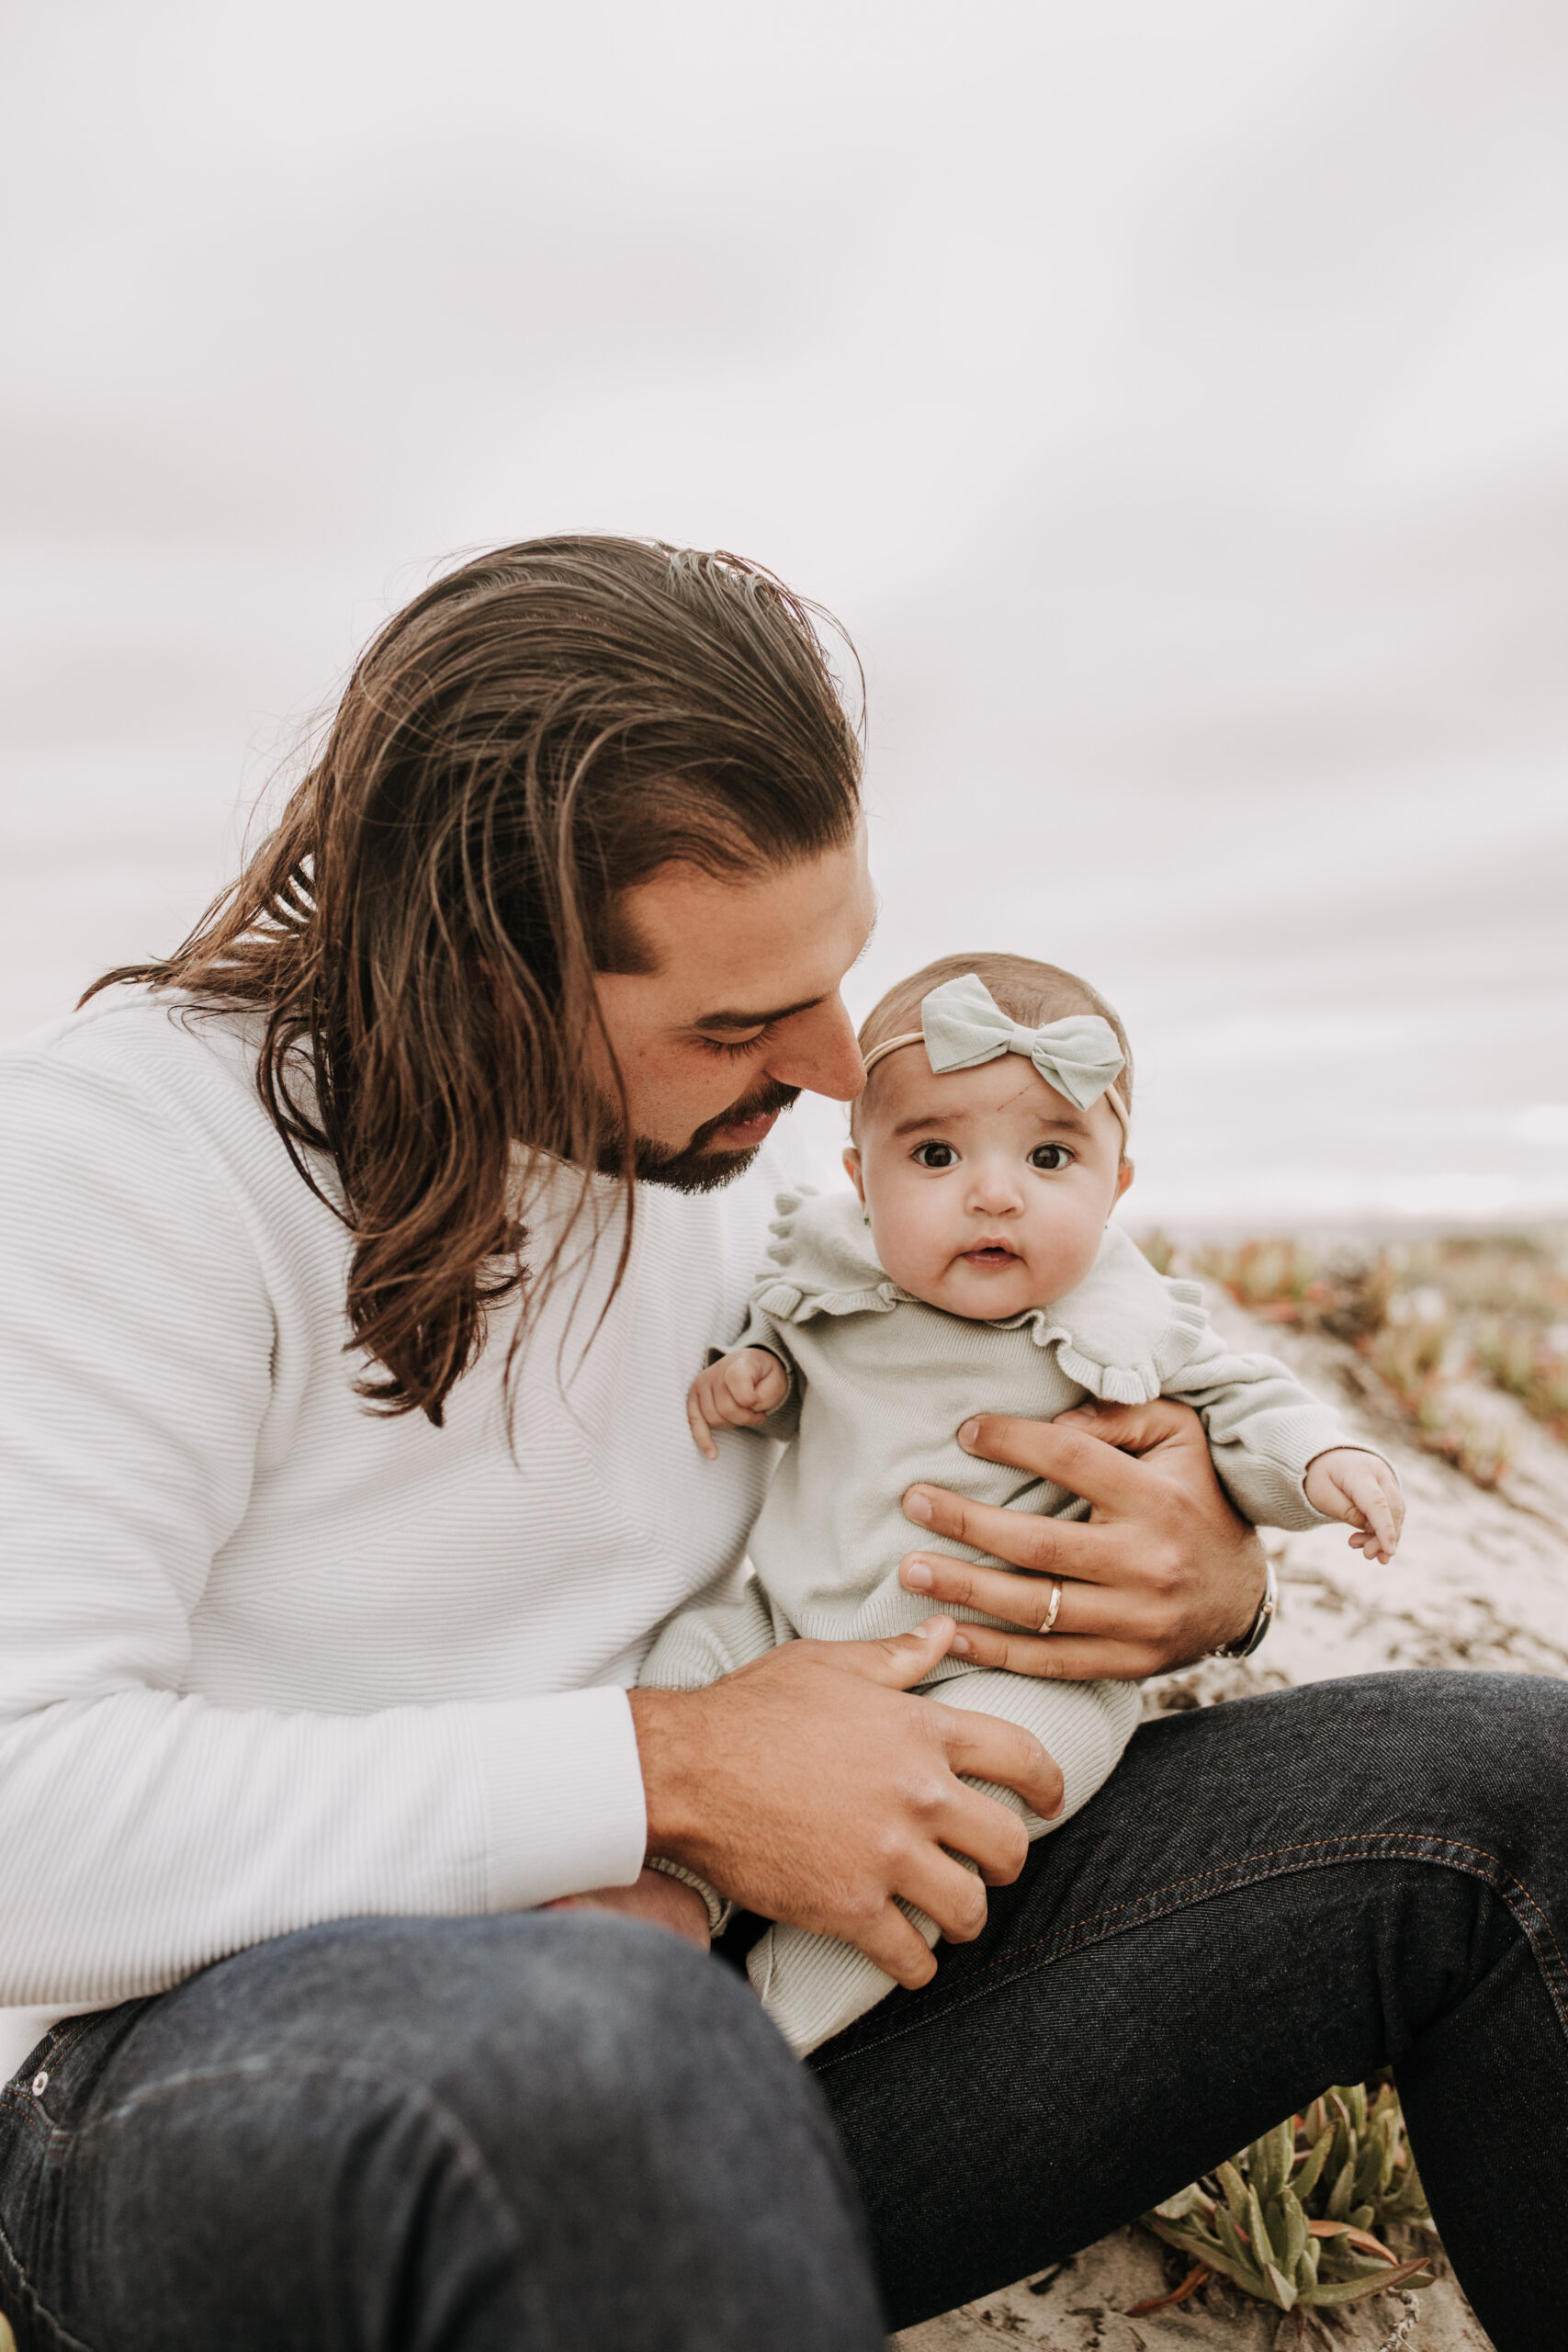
column 987, row 1191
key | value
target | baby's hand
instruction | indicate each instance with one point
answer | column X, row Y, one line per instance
column 1346, row 1484
column 739, row 1392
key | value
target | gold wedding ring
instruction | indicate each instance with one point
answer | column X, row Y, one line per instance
column 1051, row 1613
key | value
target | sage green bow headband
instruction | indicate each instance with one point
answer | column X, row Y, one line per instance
column 963, row 1026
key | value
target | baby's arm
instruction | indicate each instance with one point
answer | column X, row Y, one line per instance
column 1345, row 1483
column 1267, row 1435
column 739, row 1392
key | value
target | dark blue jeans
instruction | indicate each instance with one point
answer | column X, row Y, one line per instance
column 561, row 2132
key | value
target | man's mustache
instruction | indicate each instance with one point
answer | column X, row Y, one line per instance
column 764, row 1104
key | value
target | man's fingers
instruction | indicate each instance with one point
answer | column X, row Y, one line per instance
column 896, row 1946
column 1086, row 1461
column 1025, row 1539
column 898, row 1663
column 948, row 1893
column 987, row 1749
column 1023, row 1601
column 1065, row 1658
column 1137, row 1626
column 974, row 1824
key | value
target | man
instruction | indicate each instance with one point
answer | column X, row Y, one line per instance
column 345, row 1481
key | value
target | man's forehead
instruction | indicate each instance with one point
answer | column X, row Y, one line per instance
column 738, row 951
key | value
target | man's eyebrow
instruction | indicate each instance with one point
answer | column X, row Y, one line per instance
column 755, row 1020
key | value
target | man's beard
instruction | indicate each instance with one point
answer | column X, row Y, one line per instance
column 695, row 1167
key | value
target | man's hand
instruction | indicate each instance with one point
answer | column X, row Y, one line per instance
column 739, row 1392
column 1162, row 1571
column 813, row 1788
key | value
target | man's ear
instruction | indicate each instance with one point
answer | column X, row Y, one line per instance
column 851, row 1170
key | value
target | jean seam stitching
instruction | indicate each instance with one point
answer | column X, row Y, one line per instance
column 1327, row 1850
column 24, row 2288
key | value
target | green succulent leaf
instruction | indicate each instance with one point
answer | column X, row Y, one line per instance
column 1263, row 2247
column 1284, row 2292
column 1269, row 2161
column 1374, row 2168
column 1292, row 2235
column 1189, row 2199
column 1235, row 2189
column 1229, row 2235
column 1244, row 2274
column 1311, row 2173
column 1339, row 2195
column 1355, row 2290
column 1290, row 2201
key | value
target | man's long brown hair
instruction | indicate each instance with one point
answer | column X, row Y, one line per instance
column 417, row 939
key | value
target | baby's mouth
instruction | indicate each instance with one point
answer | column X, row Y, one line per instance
column 991, row 1253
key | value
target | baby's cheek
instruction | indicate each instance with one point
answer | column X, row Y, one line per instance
column 915, row 1243
column 1071, row 1243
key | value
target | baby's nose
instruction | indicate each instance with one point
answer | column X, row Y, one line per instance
column 996, row 1194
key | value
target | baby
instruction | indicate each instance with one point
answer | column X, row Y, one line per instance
column 973, row 1270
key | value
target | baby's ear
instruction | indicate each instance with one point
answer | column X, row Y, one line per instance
column 1123, row 1177
column 851, row 1170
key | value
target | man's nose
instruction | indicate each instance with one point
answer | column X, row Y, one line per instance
column 817, row 1051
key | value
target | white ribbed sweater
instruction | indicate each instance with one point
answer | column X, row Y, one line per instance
column 267, row 1658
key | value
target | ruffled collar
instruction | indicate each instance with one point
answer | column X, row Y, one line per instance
column 1121, row 1334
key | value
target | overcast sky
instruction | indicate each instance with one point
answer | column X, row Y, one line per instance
column 1173, row 402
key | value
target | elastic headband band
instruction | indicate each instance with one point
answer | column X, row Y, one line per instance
column 963, row 1026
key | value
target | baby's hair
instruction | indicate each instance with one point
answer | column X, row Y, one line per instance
column 1029, row 992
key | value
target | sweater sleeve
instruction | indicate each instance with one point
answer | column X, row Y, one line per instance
column 1264, row 1431
column 148, row 1830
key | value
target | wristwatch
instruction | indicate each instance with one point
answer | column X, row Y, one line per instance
column 1258, row 1631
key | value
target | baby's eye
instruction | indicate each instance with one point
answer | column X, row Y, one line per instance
column 1050, row 1155
column 934, row 1155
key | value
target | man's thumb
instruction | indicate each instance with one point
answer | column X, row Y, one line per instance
column 903, row 1659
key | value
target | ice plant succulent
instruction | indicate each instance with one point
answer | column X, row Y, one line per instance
column 1291, row 2220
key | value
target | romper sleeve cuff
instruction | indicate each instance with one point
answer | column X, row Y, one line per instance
column 563, row 1795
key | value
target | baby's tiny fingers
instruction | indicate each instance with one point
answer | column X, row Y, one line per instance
column 1383, row 1525
column 701, row 1433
